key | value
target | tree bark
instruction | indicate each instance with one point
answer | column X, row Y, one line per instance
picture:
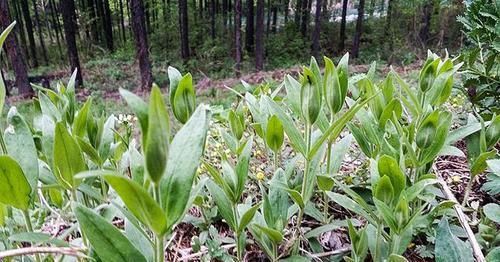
column 259, row 36
column 237, row 35
column 359, row 29
column 20, row 25
column 274, row 11
column 29, row 29
column 342, row 26
column 224, row 13
column 388, row 25
column 183, row 24
column 141, row 43
column 40, row 33
column 69, row 24
column 250, row 27
column 212, row 19
column 317, row 30
column 426, row 22
column 122, row 22
column 305, row 17
column 298, row 12
column 57, row 27
column 108, row 25
column 14, row 53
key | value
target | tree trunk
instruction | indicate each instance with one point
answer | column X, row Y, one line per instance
column 298, row 13
column 342, row 26
column 91, row 11
column 212, row 19
column 317, row 30
column 14, row 53
column 426, row 22
column 259, row 36
column 250, row 27
column 20, row 26
column 388, row 25
column 122, row 22
column 237, row 35
column 305, row 17
column 141, row 43
column 69, row 22
column 40, row 33
column 359, row 29
column 108, row 25
column 57, row 27
column 29, row 28
column 224, row 13
column 274, row 10
column 183, row 24
column 268, row 20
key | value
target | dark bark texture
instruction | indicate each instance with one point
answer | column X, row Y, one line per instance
column 141, row 43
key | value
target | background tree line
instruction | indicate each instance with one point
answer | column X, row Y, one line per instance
column 221, row 35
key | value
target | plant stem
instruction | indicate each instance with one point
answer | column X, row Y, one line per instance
column 236, row 234
column 376, row 254
column 29, row 227
column 467, row 190
column 156, row 192
column 160, row 255
column 276, row 160
column 3, row 147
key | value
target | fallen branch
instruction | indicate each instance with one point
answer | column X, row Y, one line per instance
column 202, row 252
column 476, row 249
column 69, row 251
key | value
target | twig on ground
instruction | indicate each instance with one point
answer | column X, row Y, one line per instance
column 476, row 249
column 202, row 252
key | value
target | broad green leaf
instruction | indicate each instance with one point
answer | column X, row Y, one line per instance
column 388, row 166
column 274, row 134
column 157, row 141
column 384, row 190
column 48, row 108
column 394, row 108
column 236, row 123
column 139, row 239
column 4, row 212
column 339, row 151
column 397, row 258
column 184, row 157
column 79, row 125
column 492, row 186
column 272, row 234
column 349, row 204
column 139, row 202
column 325, row 183
column 247, row 217
column 413, row 191
column 21, row 146
column 223, row 204
column 492, row 211
column 184, row 99
column 3, row 92
column 493, row 255
column 174, row 77
column 107, row 241
column 140, row 109
column 68, row 158
column 242, row 168
column 448, row 247
column 14, row 188
column 479, row 164
column 296, row 197
column 494, row 165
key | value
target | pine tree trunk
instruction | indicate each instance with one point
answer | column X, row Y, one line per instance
column 274, row 10
column 91, row 11
column 141, row 43
column 14, row 53
column 40, row 33
column 259, row 36
column 69, row 23
column 20, row 26
column 250, row 27
column 342, row 26
column 29, row 28
column 183, row 24
column 359, row 29
column 298, row 13
column 388, row 25
column 237, row 35
column 268, row 20
column 426, row 22
column 57, row 27
column 122, row 22
column 108, row 25
column 224, row 13
column 317, row 30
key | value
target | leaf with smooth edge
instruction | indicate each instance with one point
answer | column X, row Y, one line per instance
column 274, row 133
column 448, row 247
column 139, row 202
column 21, row 146
column 223, row 203
column 492, row 211
column 6, row 33
column 79, row 125
column 174, row 77
column 384, row 189
column 247, row 217
column 107, row 241
column 184, row 99
column 68, row 158
column 388, row 166
column 157, row 141
column 272, row 234
column 14, row 188
column 140, row 109
column 186, row 150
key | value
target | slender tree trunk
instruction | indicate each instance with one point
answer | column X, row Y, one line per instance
column 259, row 36
column 20, row 26
column 268, row 20
column 237, row 35
column 122, row 22
column 317, row 30
column 108, row 25
column 14, row 53
column 69, row 21
column 426, row 22
column 359, row 29
column 298, row 13
column 388, row 25
column 342, row 26
column 141, row 43
column 91, row 11
column 305, row 17
column 29, row 29
column 40, row 33
column 100, row 20
column 250, row 27
column 147, row 14
column 183, row 24
column 274, row 10
column 57, row 28
column 286, row 2
column 224, row 13
column 46, row 22
column 212, row 19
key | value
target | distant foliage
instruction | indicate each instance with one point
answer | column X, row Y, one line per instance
column 482, row 79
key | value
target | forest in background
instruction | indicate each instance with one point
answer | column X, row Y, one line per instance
column 218, row 38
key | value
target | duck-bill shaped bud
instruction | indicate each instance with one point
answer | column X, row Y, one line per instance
column 310, row 97
column 237, row 124
column 184, row 101
column 274, row 133
column 427, row 130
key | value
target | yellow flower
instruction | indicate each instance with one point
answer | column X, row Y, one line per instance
column 260, row 176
